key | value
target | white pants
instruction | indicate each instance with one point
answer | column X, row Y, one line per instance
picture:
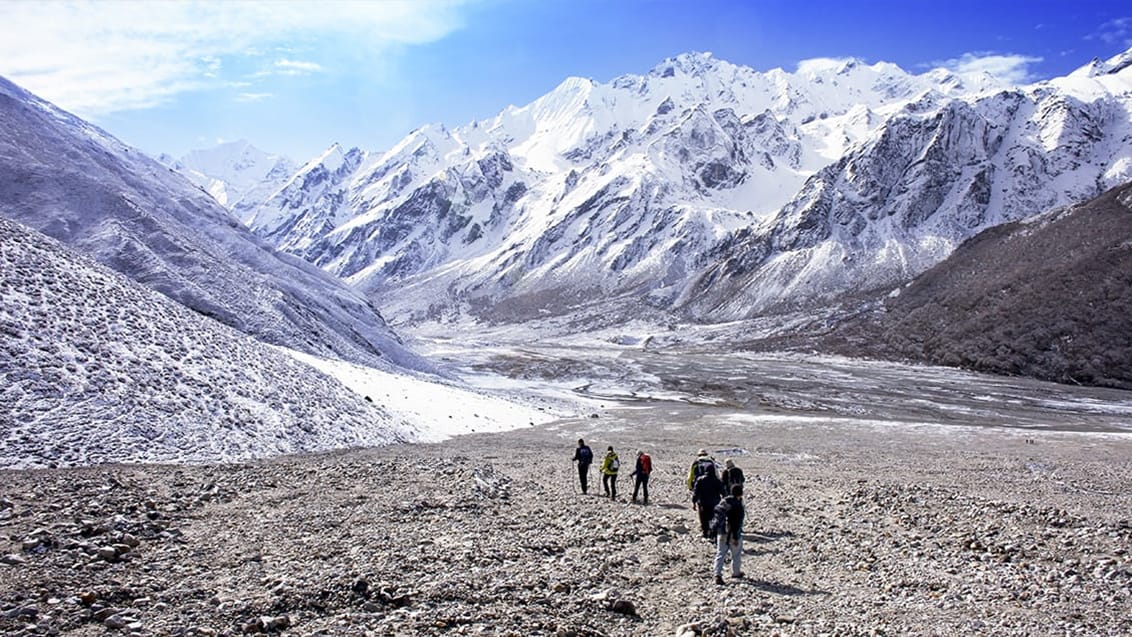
column 723, row 545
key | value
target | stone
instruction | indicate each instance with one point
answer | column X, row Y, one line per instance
column 624, row 607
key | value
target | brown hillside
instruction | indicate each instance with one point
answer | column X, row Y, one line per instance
column 1050, row 298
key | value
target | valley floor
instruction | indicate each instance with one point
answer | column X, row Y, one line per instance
column 853, row 528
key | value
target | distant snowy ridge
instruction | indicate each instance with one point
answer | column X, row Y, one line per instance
column 234, row 171
column 703, row 187
column 95, row 368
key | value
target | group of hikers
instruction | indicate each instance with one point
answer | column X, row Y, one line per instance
column 610, row 467
column 717, row 497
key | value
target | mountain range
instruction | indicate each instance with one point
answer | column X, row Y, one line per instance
column 701, row 190
column 884, row 213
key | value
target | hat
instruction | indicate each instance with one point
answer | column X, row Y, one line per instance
column 611, row 447
column 702, row 452
column 729, row 463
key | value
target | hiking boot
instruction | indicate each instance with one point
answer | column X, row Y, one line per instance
column 719, row 580
column 738, row 575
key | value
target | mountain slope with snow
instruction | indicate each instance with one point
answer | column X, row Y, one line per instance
column 95, row 368
column 72, row 181
column 705, row 188
column 929, row 179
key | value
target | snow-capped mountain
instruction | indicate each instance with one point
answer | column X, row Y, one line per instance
column 929, row 179
column 237, row 174
column 74, row 182
column 316, row 189
column 97, row 368
column 704, row 187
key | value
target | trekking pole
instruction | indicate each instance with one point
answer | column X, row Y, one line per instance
column 572, row 478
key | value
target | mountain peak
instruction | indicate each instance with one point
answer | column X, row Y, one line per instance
column 1097, row 67
column 828, row 66
column 331, row 158
column 691, row 63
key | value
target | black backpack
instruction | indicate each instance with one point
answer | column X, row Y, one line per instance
column 718, row 524
column 734, row 476
column 704, row 466
column 585, row 456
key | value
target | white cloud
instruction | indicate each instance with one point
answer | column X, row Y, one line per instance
column 95, row 58
column 1116, row 32
column 253, row 97
column 814, row 66
column 294, row 67
column 1013, row 69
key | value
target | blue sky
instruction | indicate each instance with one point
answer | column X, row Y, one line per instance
column 294, row 77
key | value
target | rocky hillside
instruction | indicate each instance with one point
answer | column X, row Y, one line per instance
column 95, row 368
column 1048, row 298
column 72, row 181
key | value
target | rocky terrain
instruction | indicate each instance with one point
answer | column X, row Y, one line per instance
column 853, row 529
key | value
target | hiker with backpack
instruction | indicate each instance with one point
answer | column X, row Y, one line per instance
column 584, row 457
column 727, row 524
column 732, row 475
column 641, row 473
column 706, row 494
column 609, row 466
column 700, row 466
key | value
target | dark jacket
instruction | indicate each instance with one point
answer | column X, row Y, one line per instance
column 728, row 517
column 730, row 477
column 583, row 457
column 639, row 470
column 708, row 491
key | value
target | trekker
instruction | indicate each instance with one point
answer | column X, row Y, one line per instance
column 727, row 522
column 641, row 473
column 732, row 475
column 584, row 457
column 609, row 467
column 701, row 465
column 706, row 494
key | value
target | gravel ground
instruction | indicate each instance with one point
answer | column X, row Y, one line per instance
column 852, row 530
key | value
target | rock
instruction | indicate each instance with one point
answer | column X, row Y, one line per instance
column 107, row 553
column 12, row 559
column 624, row 607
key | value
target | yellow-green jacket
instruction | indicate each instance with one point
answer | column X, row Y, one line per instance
column 610, row 464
